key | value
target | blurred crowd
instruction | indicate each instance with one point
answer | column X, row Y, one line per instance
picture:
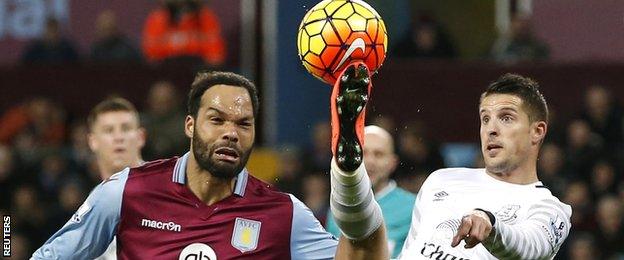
column 47, row 168
column 177, row 29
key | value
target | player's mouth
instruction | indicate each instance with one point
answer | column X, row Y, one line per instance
column 119, row 150
column 226, row 154
column 493, row 149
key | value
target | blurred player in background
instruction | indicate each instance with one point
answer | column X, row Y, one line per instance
column 116, row 139
column 115, row 136
column 381, row 160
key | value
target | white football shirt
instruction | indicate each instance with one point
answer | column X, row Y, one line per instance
column 531, row 223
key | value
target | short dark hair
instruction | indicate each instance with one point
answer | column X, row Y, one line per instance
column 207, row 79
column 111, row 104
column 526, row 89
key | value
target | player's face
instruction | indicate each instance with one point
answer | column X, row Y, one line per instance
column 117, row 139
column 379, row 159
column 506, row 133
column 223, row 133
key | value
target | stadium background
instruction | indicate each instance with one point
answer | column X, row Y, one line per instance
column 426, row 99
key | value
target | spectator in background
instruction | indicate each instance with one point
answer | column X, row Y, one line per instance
column 578, row 196
column 28, row 214
column 583, row 247
column 111, row 44
column 550, row 168
column 316, row 156
column 52, row 48
column 385, row 122
column 380, row 161
column 583, row 149
column 610, row 232
column 38, row 117
column 184, row 28
column 556, row 128
column 604, row 116
column 70, row 196
column 426, row 39
column 20, row 246
column 418, row 155
column 7, row 178
column 52, row 176
column 78, row 153
column 164, row 122
column 603, row 179
column 315, row 195
column 519, row 44
column 289, row 172
column 32, row 128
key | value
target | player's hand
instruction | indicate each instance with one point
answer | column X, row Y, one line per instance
column 474, row 229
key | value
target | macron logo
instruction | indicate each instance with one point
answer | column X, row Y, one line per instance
column 170, row 226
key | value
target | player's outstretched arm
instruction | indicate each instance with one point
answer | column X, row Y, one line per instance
column 90, row 230
column 538, row 237
column 352, row 202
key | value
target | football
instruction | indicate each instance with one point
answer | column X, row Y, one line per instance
column 336, row 32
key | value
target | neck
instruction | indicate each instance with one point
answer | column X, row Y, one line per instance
column 524, row 174
column 108, row 168
column 206, row 187
column 380, row 186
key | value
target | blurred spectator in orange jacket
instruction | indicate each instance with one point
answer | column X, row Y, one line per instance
column 183, row 28
column 39, row 117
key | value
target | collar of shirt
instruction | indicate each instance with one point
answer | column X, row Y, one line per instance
column 179, row 175
column 383, row 192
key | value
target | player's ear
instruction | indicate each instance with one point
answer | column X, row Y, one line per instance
column 394, row 162
column 189, row 126
column 93, row 144
column 538, row 132
column 142, row 134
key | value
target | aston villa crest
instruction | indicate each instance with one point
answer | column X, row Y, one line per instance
column 245, row 235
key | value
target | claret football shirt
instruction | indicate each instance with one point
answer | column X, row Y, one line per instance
column 156, row 216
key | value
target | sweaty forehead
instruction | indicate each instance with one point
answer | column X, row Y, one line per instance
column 226, row 98
column 496, row 102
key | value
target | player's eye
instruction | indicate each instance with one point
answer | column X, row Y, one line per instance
column 506, row 118
column 216, row 120
column 245, row 124
column 125, row 128
column 485, row 119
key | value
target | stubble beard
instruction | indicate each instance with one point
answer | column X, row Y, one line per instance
column 224, row 170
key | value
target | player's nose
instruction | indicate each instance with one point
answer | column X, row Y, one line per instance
column 492, row 129
column 230, row 134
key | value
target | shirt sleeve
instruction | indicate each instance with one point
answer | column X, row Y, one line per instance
column 331, row 226
column 413, row 230
column 308, row 239
column 538, row 237
column 91, row 229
